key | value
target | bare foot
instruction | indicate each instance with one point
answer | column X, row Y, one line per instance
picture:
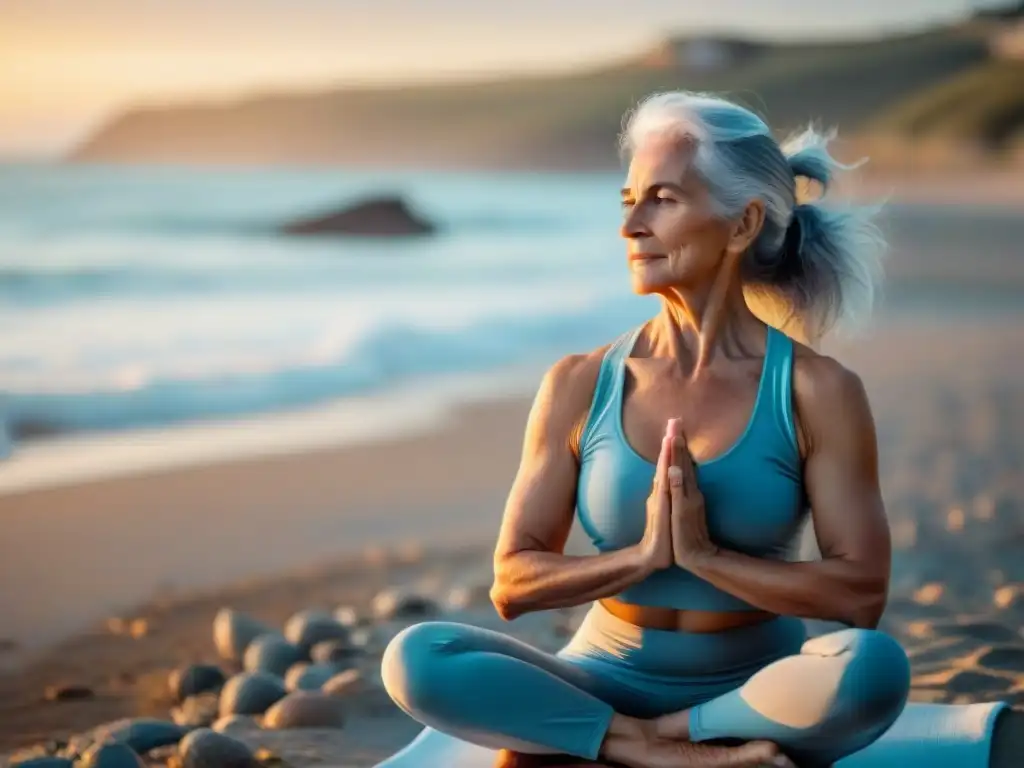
column 684, row 754
column 675, row 725
column 637, row 744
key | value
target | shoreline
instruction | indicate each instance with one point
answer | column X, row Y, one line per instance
column 415, row 408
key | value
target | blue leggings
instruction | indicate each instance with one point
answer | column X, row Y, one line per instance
column 819, row 700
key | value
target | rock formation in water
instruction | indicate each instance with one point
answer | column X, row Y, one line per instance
column 377, row 217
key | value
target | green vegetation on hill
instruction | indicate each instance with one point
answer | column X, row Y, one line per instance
column 568, row 120
column 983, row 105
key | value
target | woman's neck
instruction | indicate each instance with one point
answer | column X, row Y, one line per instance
column 696, row 326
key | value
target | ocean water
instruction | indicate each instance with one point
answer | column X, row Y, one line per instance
column 147, row 297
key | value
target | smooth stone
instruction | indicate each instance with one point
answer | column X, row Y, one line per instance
column 44, row 762
column 272, row 654
column 466, row 596
column 305, row 709
column 351, row 682
column 142, row 734
column 378, row 216
column 310, row 627
column 308, row 677
column 194, row 679
column 208, row 749
column 233, row 631
column 112, row 756
column 230, row 724
column 197, row 711
column 347, row 616
column 250, row 693
column 68, row 693
column 338, row 653
column 398, row 603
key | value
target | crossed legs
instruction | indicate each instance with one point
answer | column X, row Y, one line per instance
column 837, row 695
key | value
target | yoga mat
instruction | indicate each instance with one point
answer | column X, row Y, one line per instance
column 933, row 735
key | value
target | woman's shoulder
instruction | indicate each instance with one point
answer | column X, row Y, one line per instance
column 573, row 378
column 818, row 377
column 566, row 391
column 824, row 392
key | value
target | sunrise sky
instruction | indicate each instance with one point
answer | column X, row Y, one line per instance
column 65, row 65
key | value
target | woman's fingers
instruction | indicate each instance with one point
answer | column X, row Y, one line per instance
column 664, row 461
column 681, row 456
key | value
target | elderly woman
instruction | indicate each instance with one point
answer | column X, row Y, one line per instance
column 691, row 449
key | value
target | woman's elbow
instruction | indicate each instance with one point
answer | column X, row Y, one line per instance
column 866, row 608
column 503, row 603
column 507, row 601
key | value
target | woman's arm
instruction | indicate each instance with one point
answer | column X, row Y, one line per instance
column 530, row 571
column 850, row 582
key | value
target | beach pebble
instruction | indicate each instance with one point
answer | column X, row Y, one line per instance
column 233, row 631
column 347, row 616
column 197, row 711
column 305, row 709
column 309, row 627
column 362, row 639
column 338, row 653
column 68, row 693
column 236, row 724
column 308, row 677
column 250, row 693
column 140, row 733
column 115, row 755
column 462, row 597
column 351, row 682
column 205, row 748
column 194, row 679
column 398, row 603
column 272, row 654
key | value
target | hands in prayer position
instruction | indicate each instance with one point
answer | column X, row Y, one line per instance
column 676, row 531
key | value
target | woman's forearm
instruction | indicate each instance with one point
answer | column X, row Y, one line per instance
column 537, row 581
column 832, row 589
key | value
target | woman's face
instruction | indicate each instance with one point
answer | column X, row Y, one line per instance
column 672, row 237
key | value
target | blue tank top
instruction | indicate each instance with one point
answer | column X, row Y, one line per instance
column 753, row 493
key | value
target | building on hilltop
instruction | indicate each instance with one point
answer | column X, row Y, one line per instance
column 701, row 54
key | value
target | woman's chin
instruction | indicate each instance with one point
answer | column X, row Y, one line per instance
column 645, row 286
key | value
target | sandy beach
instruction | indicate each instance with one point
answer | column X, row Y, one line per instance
column 274, row 535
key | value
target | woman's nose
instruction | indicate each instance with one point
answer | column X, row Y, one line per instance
column 632, row 225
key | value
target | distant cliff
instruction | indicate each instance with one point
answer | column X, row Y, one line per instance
column 895, row 88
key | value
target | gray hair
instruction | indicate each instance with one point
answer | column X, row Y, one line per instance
column 820, row 264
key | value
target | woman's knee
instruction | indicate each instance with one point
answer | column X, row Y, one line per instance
column 876, row 683
column 414, row 667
